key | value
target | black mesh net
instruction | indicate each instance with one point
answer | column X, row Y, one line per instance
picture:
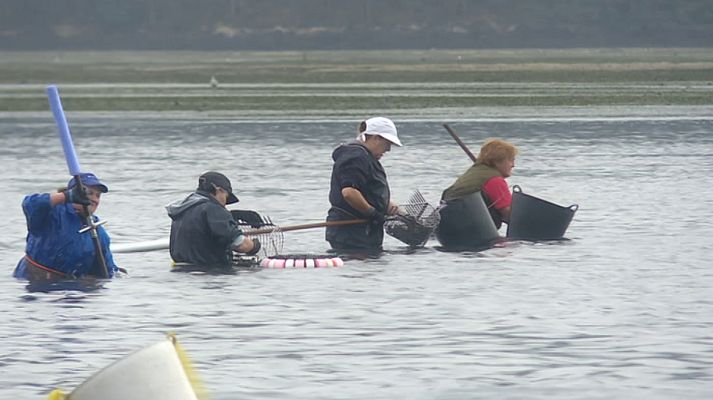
column 417, row 222
column 248, row 221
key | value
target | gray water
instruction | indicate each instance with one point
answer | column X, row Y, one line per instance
column 621, row 310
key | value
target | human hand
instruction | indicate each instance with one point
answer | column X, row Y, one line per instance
column 375, row 217
column 77, row 195
column 256, row 247
column 394, row 209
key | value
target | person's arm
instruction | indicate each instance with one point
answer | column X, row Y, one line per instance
column 354, row 174
column 357, row 200
column 243, row 244
column 58, row 198
column 223, row 227
column 505, row 213
column 498, row 192
column 37, row 209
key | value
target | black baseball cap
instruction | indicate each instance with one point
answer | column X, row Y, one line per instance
column 212, row 179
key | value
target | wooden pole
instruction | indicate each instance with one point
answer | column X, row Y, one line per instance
column 460, row 142
column 305, row 226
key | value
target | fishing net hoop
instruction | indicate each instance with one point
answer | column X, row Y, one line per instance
column 417, row 223
column 272, row 242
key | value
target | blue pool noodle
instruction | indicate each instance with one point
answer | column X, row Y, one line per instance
column 69, row 154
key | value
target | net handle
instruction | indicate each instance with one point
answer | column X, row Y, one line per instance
column 460, row 142
column 305, row 226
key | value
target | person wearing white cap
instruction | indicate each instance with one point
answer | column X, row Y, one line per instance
column 359, row 188
column 487, row 175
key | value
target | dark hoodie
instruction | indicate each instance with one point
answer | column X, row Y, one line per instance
column 354, row 166
column 203, row 231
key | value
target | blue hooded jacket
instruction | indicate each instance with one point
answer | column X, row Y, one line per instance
column 54, row 241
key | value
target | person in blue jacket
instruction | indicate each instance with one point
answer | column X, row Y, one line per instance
column 55, row 249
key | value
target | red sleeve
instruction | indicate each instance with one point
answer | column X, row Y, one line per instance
column 498, row 192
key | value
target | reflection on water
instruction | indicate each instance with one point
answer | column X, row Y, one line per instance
column 78, row 285
column 621, row 309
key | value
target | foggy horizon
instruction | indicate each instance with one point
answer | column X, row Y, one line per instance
column 352, row 25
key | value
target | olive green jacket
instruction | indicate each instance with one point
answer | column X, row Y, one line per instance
column 470, row 182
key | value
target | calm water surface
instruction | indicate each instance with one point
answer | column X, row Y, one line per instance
column 621, row 310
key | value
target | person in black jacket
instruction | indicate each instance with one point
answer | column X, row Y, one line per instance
column 359, row 188
column 203, row 232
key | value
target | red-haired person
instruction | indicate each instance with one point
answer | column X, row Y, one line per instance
column 494, row 164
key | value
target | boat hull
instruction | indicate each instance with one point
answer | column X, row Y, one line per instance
column 155, row 373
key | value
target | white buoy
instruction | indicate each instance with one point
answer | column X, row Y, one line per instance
column 213, row 82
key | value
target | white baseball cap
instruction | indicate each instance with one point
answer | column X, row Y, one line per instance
column 383, row 127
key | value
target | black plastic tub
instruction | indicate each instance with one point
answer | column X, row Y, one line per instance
column 535, row 219
column 466, row 224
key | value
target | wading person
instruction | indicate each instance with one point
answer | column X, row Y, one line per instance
column 359, row 188
column 203, row 232
column 494, row 164
column 55, row 248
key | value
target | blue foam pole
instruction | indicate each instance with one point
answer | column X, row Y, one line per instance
column 69, row 154
column 73, row 163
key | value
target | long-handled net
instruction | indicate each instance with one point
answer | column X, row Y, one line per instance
column 271, row 238
column 413, row 226
column 417, row 222
column 258, row 227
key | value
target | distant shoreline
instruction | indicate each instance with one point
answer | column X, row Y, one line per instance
column 354, row 80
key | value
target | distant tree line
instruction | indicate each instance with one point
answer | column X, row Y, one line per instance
column 352, row 24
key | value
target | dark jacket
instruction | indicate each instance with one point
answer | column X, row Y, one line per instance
column 202, row 232
column 54, row 241
column 354, row 166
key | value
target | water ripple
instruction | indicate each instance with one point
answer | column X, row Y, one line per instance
column 620, row 310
